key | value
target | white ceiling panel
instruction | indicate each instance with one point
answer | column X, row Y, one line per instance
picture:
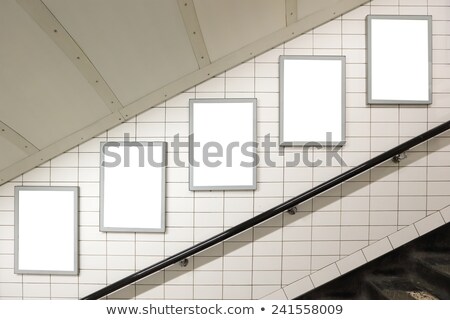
column 138, row 46
column 9, row 153
column 43, row 96
column 307, row 7
column 232, row 24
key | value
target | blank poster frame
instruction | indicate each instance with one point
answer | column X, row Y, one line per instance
column 46, row 245
column 423, row 62
column 147, row 199
column 251, row 122
column 339, row 103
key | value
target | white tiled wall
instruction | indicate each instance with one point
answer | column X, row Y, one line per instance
column 281, row 251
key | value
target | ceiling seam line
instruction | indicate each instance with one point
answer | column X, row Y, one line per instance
column 18, row 140
column 47, row 21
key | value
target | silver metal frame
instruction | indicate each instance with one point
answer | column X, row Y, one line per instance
column 369, row 19
column 163, row 187
column 343, row 103
column 17, row 230
column 192, row 187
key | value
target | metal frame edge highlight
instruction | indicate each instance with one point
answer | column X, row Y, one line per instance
column 191, row 153
column 163, row 144
column 341, row 143
column 76, row 269
column 370, row 100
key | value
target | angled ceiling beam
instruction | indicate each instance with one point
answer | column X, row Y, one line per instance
column 59, row 147
column 291, row 11
column 154, row 98
column 12, row 136
column 187, row 10
column 56, row 31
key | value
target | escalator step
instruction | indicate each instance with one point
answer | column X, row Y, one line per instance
column 439, row 262
column 421, row 295
column 434, row 269
column 399, row 288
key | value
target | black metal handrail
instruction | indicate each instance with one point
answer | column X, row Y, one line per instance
column 269, row 213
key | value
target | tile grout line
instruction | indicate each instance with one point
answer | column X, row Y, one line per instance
column 341, row 149
column 312, row 185
column 370, row 148
column 135, row 233
column 253, row 60
column 194, row 194
column 399, row 166
column 427, row 147
column 106, row 234
column 79, row 224
column 223, row 206
column 283, row 192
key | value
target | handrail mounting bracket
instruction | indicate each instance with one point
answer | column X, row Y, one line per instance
column 399, row 157
column 292, row 211
column 184, row 263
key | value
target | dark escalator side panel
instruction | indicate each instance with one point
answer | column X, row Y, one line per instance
column 419, row 270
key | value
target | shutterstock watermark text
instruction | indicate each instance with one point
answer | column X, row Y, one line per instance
column 214, row 154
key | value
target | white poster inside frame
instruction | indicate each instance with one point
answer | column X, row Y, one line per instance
column 399, row 59
column 132, row 186
column 312, row 100
column 46, row 230
column 222, row 151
